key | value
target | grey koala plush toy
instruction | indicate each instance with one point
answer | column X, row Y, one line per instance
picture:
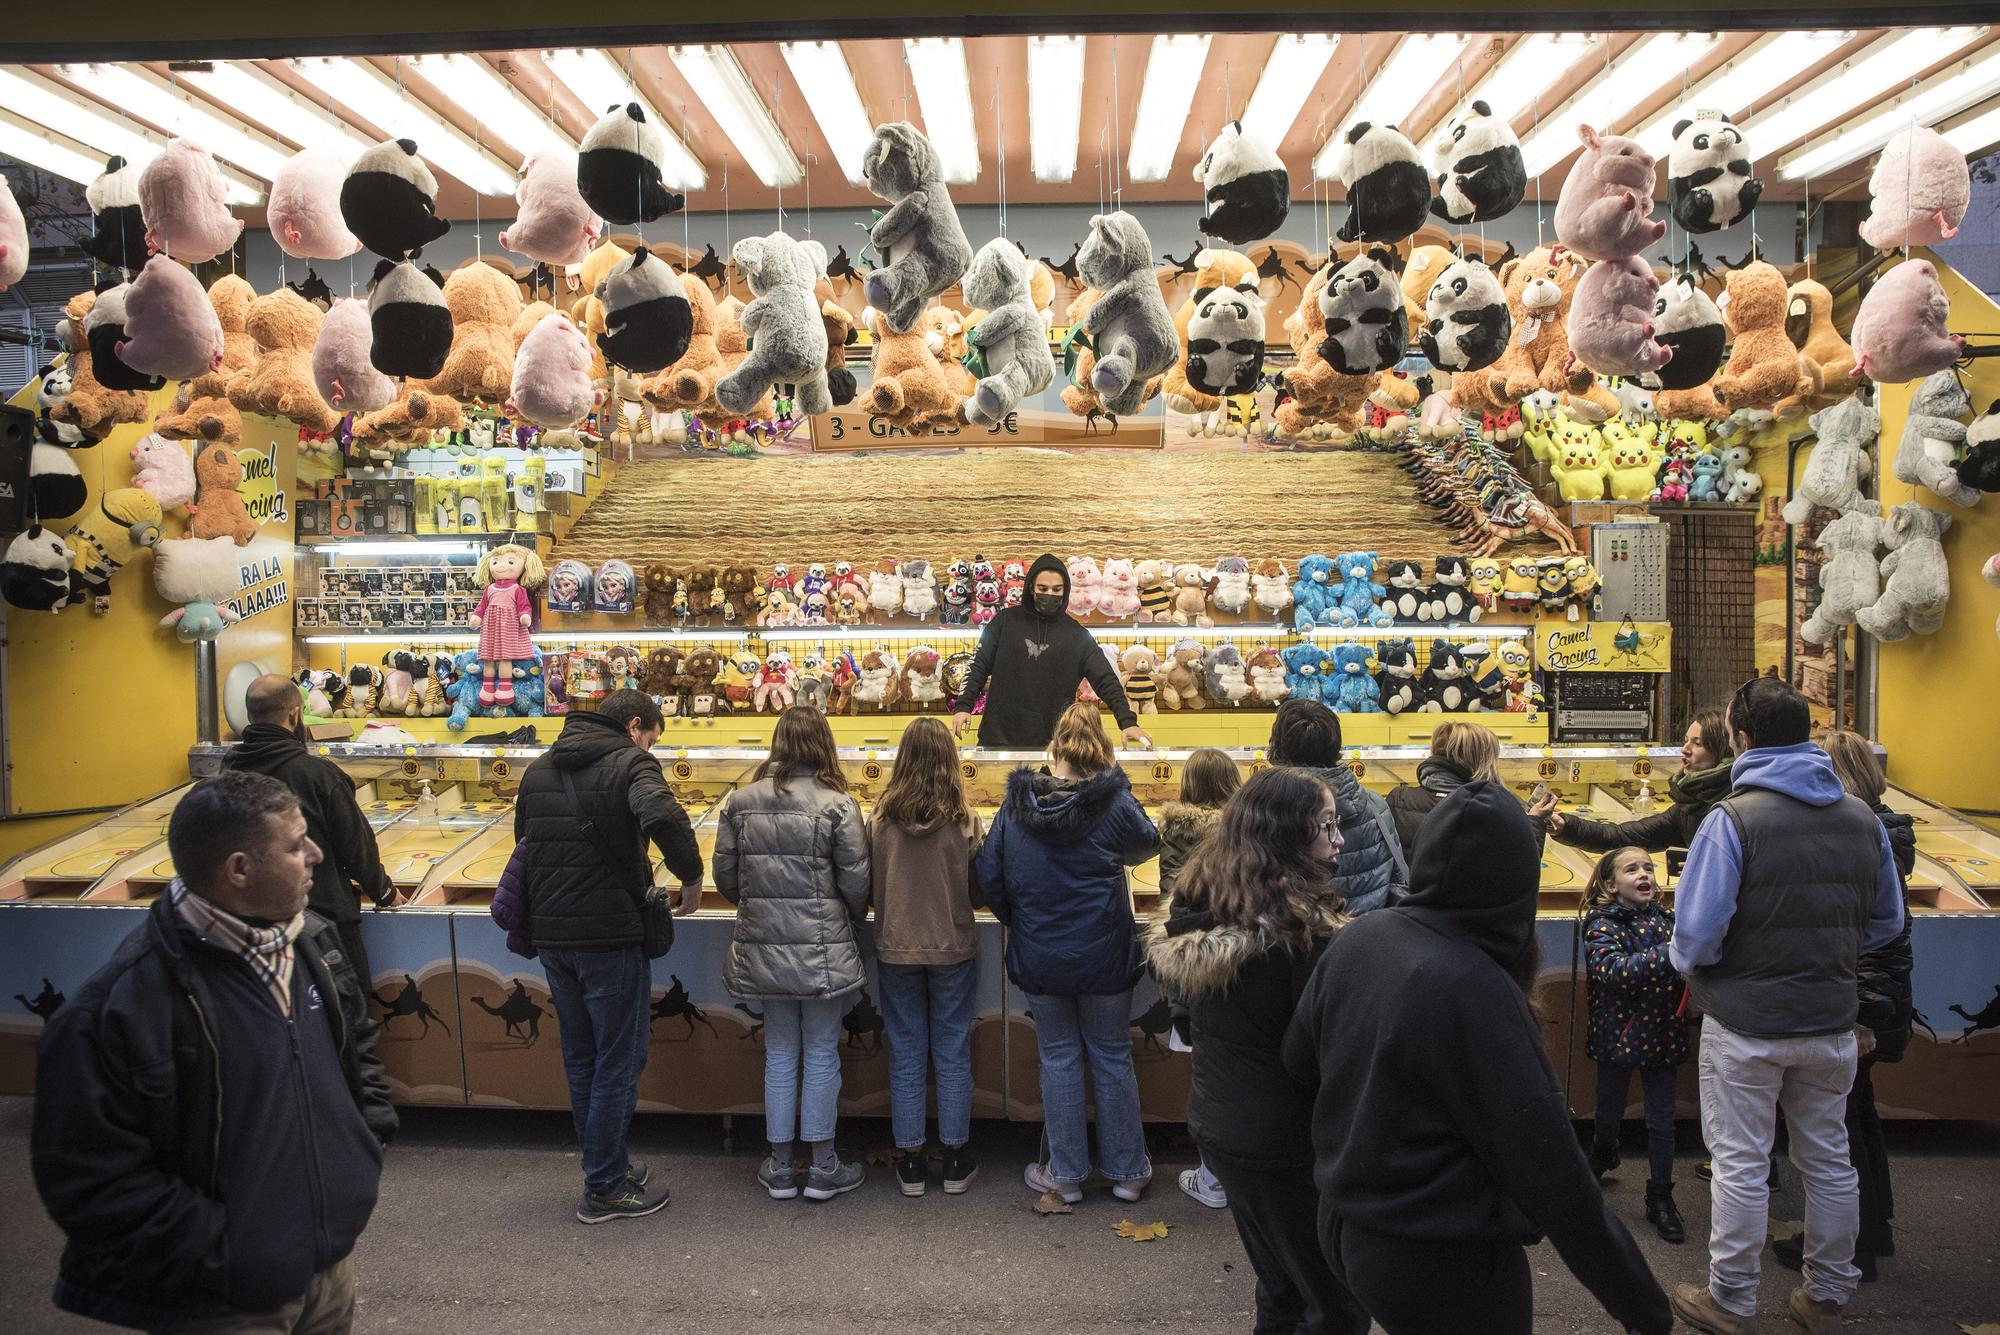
column 921, row 244
column 787, row 335
column 1130, row 327
column 1932, row 437
column 1010, row 335
column 1916, row 578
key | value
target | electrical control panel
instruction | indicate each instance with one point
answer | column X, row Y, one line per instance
column 1631, row 561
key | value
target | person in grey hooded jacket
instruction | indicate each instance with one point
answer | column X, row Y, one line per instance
column 1372, row 873
column 791, row 852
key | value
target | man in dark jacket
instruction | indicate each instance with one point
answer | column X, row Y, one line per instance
column 1033, row 656
column 1789, row 880
column 586, row 810
column 350, row 866
column 1372, row 872
column 209, row 1111
column 1443, row 1141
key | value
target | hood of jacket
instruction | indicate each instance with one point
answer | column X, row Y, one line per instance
column 1802, row 771
column 1196, row 956
column 1477, row 871
column 1063, row 811
column 264, row 747
column 1045, row 561
column 1346, row 788
column 586, row 739
column 1441, row 776
column 1701, row 787
column 1183, row 822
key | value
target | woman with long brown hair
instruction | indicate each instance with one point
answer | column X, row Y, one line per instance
column 791, row 852
column 1707, row 759
column 921, row 841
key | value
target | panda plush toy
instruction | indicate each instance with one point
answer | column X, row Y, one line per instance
column 1367, row 324
column 408, row 322
column 619, row 168
column 1709, row 185
column 56, row 488
column 1249, row 192
column 103, row 331
column 1480, row 174
column 647, row 320
column 1979, row 467
column 1226, row 339
column 1388, row 189
column 389, row 200
column 1688, row 323
column 118, row 235
column 1466, row 321
column 35, row 572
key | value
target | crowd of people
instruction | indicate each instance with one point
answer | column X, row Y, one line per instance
column 1370, row 1091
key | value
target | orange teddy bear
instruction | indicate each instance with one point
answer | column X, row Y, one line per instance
column 280, row 384
column 909, row 389
column 211, row 419
column 230, row 296
column 944, row 330
column 413, row 418
column 1763, row 366
column 217, row 509
column 89, row 406
column 485, row 304
column 1809, row 325
column 1539, row 287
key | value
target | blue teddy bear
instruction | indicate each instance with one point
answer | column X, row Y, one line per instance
column 530, row 691
column 1352, row 689
column 1305, row 669
column 1707, row 483
column 1358, row 592
column 1313, row 593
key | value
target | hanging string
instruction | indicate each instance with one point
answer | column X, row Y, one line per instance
column 687, row 242
column 1909, row 167
column 478, row 237
column 728, row 236
column 1000, row 119
column 812, row 160
column 1117, row 134
column 778, row 119
column 1535, row 133
column 638, row 170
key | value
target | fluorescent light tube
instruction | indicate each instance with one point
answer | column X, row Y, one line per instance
column 28, row 142
column 148, row 96
column 1290, row 75
column 277, row 105
column 1397, row 85
column 493, row 102
column 599, row 82
column 1055, row 105
column 68, row 113
column 1832, row 97
column 1530, row 66
column 1978, row 133
column 1747, row 76
column 821, row 72
column 944, row 91
column 727, row 95
column 1173, row 72
column 1641, row 70
column 1962, row 85
column 377, row 98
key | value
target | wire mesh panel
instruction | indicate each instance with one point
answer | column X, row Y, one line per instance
column 1711, row 600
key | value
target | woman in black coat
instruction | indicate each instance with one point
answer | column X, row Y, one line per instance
column 1704, row 779
column 1264, row 884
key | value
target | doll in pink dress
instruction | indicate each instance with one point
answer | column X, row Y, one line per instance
column 502, row 617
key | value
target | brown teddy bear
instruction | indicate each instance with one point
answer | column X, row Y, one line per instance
column 739, row 592
column 690, row 382
column 658, row 602
column 1763, row 366
column 701, row 582
column 230, row 296
column 1539, row 287
column 412, row 418
column 944, row 333
column 530, row 316
column 90, row 407
column 280, row 383
column 840, row 331
column 211, row 419
column 1809, row 325
column 1217, row 268
column 1420, row 271
column 1042, row 291
column 485, row 304
column 909, row 386
column 217, row 509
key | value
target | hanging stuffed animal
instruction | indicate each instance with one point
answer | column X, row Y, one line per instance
column 1247, row 188
column 482, row 303
column 690, row 379
column 552, row 376
column 90, row 406
column 1839, row 460
column 1011, row 340
column 1933, row 435
column 1980, row 467
column 104, row 331
column 1709, row 185
column 1388, row 189
column 1225, row 347
column 201, row 575
column 787, row 338
column 1916, row 576
column 1215, row 268
column 229, row 297
column 118, row 225
column 1809, row 325
column 125, row 522
column 1540, row 286
column 185, row 203
column 170, row 327
column 909, row 387
column 1899, row 332
column 619, row 170
column 217, row 509
column 1918, row 192
column 1605, row 209
column 1611, row 319
column 1466, row 321
column 389, row 200
column 35, row 572
column 13, row 238
column 1367, row 325
column 1480, row 173
column 161, row 468
column 304, row 211
column 409, row 321
column 56, row 489
column 1129, row 326
column 285, row 326
column 922, row 246
column 647, row 320
column 1850, row 579
column 342, row 368
column 1763, row 366
column 1689, row 325
column 552, row 223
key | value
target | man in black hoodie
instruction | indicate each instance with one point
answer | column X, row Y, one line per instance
column 1033, row 656
column 350, row 865
column 1442, row 1143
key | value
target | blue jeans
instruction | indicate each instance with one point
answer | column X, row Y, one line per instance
column 1069, row 1030
column 603, row 1004
column 927, row 1009
column 808, row 1030
column 1614, row 1084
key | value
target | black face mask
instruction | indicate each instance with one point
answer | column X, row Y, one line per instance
column 1049, row 606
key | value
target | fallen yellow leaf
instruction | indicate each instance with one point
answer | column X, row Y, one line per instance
column 1051, row 1202
column 1983, row 1328
column 1153, row 1232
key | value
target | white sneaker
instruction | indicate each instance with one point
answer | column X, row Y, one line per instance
column 1198, row 1183
column 1036, row 1175
column 1132, row 1190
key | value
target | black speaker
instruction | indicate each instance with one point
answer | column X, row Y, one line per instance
column 17, row 444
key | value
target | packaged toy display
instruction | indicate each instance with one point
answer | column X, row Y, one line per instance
column 612, row 587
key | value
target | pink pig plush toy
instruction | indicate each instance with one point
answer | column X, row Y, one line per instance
column 161, row 468
column 185, row 203
column 343, row 372
column 170, row 328
column 304, row 211
column 1611, row 319
column 1604, row 211
column 1919, row 191
column 1899, row 331
column 554, row 225
column 13, row 238
column 552, row 375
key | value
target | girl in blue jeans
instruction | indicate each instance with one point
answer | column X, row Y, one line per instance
column 921, row 842
column 1052, row 869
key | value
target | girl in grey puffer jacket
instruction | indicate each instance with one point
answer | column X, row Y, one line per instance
column 791, row 852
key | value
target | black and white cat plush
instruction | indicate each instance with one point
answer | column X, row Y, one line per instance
column 1466, row 321
column 408, row 320
column 1397, row 676
column 1480, row 174
column 1445, row 687
column 620, row 168
column 1367, row 322
column 1388, row 188
column 1249, row 192
column 1689, row 324
column 56, row 489
column 1709, row 185
column 118, row 235
column 104, row 330
column 34, row 573
column 389, row 200
column 647, row 319
column 1226, row 339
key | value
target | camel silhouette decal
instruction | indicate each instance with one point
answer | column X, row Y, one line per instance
column 409, row 1001
column 1067, row 269
column 710, row 267
column 673, row 1004
column 756, row 1029
column 517, row 1010
column 1988, row 1017
column 1154, row 1022
column 840, row 269
column 46, row 1002
column 864, row 1025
